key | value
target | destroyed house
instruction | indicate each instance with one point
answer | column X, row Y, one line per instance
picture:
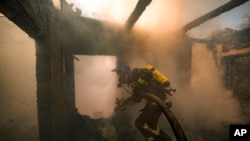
column 58, row 39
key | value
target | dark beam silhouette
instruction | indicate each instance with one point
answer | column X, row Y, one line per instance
column 16, row 12
column 224, row 8
column 139, row 9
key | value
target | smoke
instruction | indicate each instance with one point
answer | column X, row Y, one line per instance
column 18, row 108
column 206, row 104
column 95, row 85
column 106, row 10
column 202, row 104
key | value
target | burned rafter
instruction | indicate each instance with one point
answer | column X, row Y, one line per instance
column 15, row 11
column 139, row 9
column 226, row 7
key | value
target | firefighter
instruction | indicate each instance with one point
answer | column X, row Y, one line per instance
column 144, row 80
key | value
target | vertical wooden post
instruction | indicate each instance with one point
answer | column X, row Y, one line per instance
column 55, row 94
column 43, row 77
column 71, row 110
column 57, row 77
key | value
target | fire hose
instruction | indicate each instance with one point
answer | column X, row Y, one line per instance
column 175, row 125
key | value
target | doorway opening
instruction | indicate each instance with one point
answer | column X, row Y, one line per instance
column 95, row 85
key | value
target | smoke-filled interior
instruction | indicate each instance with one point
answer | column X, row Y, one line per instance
column 202, row 103
column 95, row 85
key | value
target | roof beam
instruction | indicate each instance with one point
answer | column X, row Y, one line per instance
column 224, row 8
column 134, row 16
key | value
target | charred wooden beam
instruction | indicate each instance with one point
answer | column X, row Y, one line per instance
column 41, row 22
column 226, row 7
column 16, row 11
column 57, row 77
column 139, row 9
column 44, row 99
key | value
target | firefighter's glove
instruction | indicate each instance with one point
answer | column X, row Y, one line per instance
column 117, row 109
column 170, row 90
column 168, row 102
column 120, row 106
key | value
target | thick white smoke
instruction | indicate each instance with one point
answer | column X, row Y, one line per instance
column 95, row 85
column 18, row 107
column 205, row 104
